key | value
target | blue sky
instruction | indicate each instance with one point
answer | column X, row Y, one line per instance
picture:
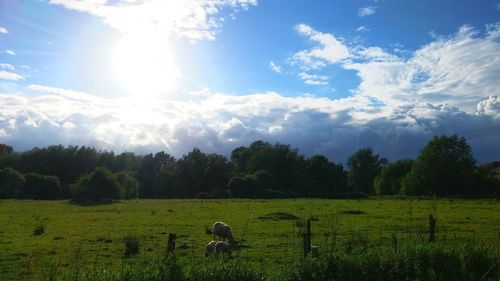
column 327, row 77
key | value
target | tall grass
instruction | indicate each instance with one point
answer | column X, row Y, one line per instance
column 426, row 261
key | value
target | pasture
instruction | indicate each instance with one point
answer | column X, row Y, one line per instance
column 94, row 235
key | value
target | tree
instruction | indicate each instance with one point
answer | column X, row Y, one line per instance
column 364, row 166
column 128, row 183
column 41, row 187
column 151, row 174
column 98, row 185
column 444, row 167
column 325, row 176
column 11, row 183
column 389, row 180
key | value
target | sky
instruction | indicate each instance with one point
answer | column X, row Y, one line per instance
column 327, row 77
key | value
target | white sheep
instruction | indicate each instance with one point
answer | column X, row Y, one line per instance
column 222, row 247
column 210, row 248
column 223, row 231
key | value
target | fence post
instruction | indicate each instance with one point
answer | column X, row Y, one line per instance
column 432, row 228
column 171, row 242
column 307, row 238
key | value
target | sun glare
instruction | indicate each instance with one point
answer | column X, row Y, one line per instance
column 143, row 65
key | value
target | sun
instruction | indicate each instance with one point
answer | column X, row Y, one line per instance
column 143, row 65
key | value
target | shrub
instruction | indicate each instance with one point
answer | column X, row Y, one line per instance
column 11, row 183
column 131, row 246
column 39, row 230
column 42, row 187
column 221, row 193
column 204, row 195
column 273, row 194
column 98, row 185
column 128, row 183
column 244, row 187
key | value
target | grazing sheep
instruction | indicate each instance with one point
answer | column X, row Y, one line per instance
column 222, row 247
column 210, row 248
column 223, row 231
column 314, row 251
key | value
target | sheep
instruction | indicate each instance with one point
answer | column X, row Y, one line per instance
column 222, row 247
column 210, row 248
column 223, row 231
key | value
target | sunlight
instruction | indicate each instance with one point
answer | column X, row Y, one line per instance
column 143, row 65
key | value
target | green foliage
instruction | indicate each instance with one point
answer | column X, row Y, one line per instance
column 43, row 187
column 444, row 167
column 11, row 183
column 98, row 185
column 129, row 185
column 324, row 176
column 364, row 166
column 131, row 246
column 389, row 180
column 39, row 230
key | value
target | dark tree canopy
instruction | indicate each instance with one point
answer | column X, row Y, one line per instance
column 444, row 167
column 364, row 166
column 11, row 183
column 261, row 170
column 98, row 185
column 390, row 179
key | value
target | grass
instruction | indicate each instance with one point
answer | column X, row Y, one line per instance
column 94, row 235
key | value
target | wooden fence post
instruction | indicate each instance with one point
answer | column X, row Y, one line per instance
column 171, row 242
column 432, row 228
column 307, row 238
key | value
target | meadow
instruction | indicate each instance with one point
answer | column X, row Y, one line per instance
column 94, row 235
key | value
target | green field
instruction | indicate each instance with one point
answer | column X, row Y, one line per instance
column 93, row 235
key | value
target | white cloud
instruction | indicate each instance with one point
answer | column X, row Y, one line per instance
column 6, row 66
column 313, row 79
column 362, row 29
column 219, row 123
column 10, row 52
column 3, row 30
column 459, row 70
column 276, row 68
column 366, row 11
column 330, row 49
column 6, row 75
column 192, row 19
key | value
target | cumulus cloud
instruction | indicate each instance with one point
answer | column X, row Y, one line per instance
column 459, row 70
column 366, row 11
column 191, row 19
column 10, row 52
column 219, row 123
column 313, row 79
column 330, row 49
column 7, row 75
column 447, row 86
column 276, row 68
column 3, row 30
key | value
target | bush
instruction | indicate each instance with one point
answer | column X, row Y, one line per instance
column 273, row 194
column 43, row 187
column 244, row 187
column 204, row 195
column 98, row 185
column 221, row 193
column 128, row 184
column 131, row 246
column 11, row 183
column 39, row 230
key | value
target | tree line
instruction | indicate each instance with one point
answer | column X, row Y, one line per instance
column 444, row 167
